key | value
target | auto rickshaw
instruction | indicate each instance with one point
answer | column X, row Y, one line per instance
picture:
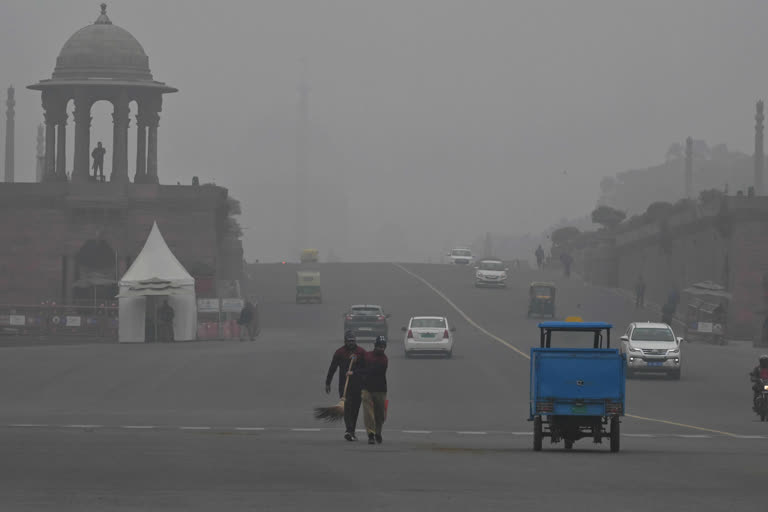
column 308, row 287
column 541, row 299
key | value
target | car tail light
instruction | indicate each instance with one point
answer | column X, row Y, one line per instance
column 613, row 407
column 382, row 318
column 445, row 334
column 410, row 334
column 349, row 317
column 545, row 407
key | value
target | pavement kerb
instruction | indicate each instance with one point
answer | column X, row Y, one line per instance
column 526, row 356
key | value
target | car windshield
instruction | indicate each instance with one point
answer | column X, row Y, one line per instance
column 435, row 323
column 366, row 311
column 491, row 265
column 461, row 253
column 652, row 334
column 542, row 291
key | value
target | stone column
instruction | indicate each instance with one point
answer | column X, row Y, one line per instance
column 50, row 148
column 689, row 168
column 153, row 121
column 10, row 133
column 61, row 149
column 81, row 169
column 120, row 140
column 759, row 156
column 141, row 150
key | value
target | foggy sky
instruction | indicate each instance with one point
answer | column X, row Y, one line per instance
column 438, row 120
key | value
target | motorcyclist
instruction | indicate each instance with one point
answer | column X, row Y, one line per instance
column 758, row 374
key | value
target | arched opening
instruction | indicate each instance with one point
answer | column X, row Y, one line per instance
column 70, row 134
column 102, row 130
column 95, row 274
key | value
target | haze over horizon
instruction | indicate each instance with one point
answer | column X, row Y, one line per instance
column 431, row 121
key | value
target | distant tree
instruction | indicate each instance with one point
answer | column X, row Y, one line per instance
column 658, row 211
column 608, row 217
column 709, row 196
column 563, row 236
column 675, row 152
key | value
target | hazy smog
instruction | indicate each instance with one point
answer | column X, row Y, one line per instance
column 429, row 122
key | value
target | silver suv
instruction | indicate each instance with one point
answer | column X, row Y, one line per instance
column 652, row 347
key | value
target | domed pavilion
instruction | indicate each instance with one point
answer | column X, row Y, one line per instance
column 102, row 61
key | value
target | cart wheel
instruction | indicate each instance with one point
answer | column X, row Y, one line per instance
column 538, row 434
column 568, row 444
column 615, row 434
column 407, row 355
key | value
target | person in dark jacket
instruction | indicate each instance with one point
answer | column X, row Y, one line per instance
column 374, row 393
column 758, row 374
column 350, row 355
column 247, row 321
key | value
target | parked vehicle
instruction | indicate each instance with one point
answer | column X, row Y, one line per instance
column 366, row 321
column 428, row 334
column 652, row 347
column 308, row 287
column 541, row 299
column 491, row 273
column 706, row 313
column 576, row 392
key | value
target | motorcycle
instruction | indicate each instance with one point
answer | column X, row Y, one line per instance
column 761, row 400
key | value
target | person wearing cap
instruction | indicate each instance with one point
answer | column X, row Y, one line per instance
column 374, row 393
column 348, row 355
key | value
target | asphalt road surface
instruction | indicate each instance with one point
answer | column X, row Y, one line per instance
column 228, row 425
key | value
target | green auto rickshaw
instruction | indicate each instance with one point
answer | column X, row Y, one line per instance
column 308, row 287
column 541, row 299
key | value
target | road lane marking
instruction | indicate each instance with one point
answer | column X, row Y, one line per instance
column 82, row 426
column 462, row 313
column 194, row 428
column 694, row 436
column 28, row 425
column 416, row 431
column 684, row 425
column 523, row 354
column 472, row 433
column 138, row 427
column 250, row 428
column 305, row 430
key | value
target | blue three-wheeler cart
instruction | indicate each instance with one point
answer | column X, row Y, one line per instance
column 576, row 392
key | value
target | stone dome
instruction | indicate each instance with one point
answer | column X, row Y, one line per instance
column 102, row 50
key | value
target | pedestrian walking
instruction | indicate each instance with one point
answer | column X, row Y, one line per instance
column 640, row 292
column 567, row 260
column 247, row 321
column 348, row 355
column 539, row 256
column 374, row 393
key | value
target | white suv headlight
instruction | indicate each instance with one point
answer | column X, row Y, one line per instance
column 633, row 349
column 673, row 351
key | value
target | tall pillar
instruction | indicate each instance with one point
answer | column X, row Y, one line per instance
column 689, row 168
column 153, row 121
column 141, row 150
column 10, row 126
column 61, row 149
column 759, row 154
column 40, row 169
column 80, row 171
column 50, row 147
column 120, row 140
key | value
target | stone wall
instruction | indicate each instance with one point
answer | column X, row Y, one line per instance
column 725, row 243
column 44, row 225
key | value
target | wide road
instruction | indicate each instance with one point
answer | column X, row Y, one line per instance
column 225, row 424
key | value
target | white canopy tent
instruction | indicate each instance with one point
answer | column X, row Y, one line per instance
column 156, row 273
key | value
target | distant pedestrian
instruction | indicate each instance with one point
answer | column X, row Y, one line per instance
column 349, row 354
column 166, row 315
column 640, row 292
column 247, row 321
column 539, row 256
column 374, row 395
column 567, row 260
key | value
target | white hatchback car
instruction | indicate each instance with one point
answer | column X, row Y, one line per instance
column 428, row 334
column 652, row 347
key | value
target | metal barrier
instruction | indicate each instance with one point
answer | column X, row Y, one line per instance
column 59, row 320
